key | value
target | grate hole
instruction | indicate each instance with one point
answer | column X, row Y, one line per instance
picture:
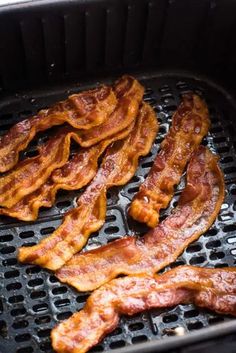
column 14, row 286
column 147, row 164
column 25, row 350
column 133, row 190
column 44, row 333
column 224, row 149
column 229, row 228
column 82, row 298
column 139, row 339
column 96, row 349
column 230, row 170
column 197, row 260
column 215, row 320
column 8, row 250
column 45, row 346
column 18, row 312
column 221, row 265
column 64, row 316
column 176, row 264
column 16, row 299
column 195, row 325
column 9, row 262
column 5, row 238
column 211, row 232
column 213, row 244
column 169, row 318
column 3, row 329
column 32, row 243
column 31, row 154
column 62, row 302
column 191, row 313
column 47, row 230
column 40, row 307
column 117, row 344
column 194, row 248
column 11, row 274
column 227, row 160
column 231, row 240
column 136, row 326
column 59, row 290
column 111, row 230
column 63, row 204
column 33, row 270
column 25, row 235
column 37, row 295
column 42, row 320
column 219, row 139
column 53, row 279
column 20, row 324
column 35, row 282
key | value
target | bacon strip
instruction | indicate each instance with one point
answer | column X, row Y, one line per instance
column 82, row 111
column 190, row 124
column 118, row 166
column 75, row 174
column 198, row 207
column 30, row 174
column 214, row 289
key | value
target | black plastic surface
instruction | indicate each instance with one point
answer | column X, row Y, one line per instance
column 33, row 300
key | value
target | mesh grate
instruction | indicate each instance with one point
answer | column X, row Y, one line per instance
column 33, row 300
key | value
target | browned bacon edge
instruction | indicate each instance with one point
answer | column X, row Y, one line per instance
column 198, row 207
column 118, row 166
column 31, row 173
column 214, row 289
column 190, row 123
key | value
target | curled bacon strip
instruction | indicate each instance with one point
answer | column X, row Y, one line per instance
column 82, row 111
column 190, row 124
column 118, row 166
column 30, row 174
column 75, row 174
column 198, row 207
column 214, row 289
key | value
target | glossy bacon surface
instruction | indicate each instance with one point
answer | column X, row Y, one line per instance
column 30, row 174
column 214, row 289
column 118, row 166
column 75, row 174
column 190, row 124
column 198, row 207
column 82, row 111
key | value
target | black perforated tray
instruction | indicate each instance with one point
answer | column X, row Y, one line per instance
column 33, row 300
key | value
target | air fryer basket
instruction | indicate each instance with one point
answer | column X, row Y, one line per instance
column 49, row 50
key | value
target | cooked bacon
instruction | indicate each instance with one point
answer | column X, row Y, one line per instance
column 198, row 207
column 82, row 111
column 75, row 174
column 214, row 289
column 30, row 174
column 118, row 166
column 190, row 124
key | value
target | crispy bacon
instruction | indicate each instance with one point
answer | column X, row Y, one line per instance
column 82, row 111
column 198, row 207
column 214, row 289
column 30, row 174
column 190, row 124
column 75, row 174
column 118, row 166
